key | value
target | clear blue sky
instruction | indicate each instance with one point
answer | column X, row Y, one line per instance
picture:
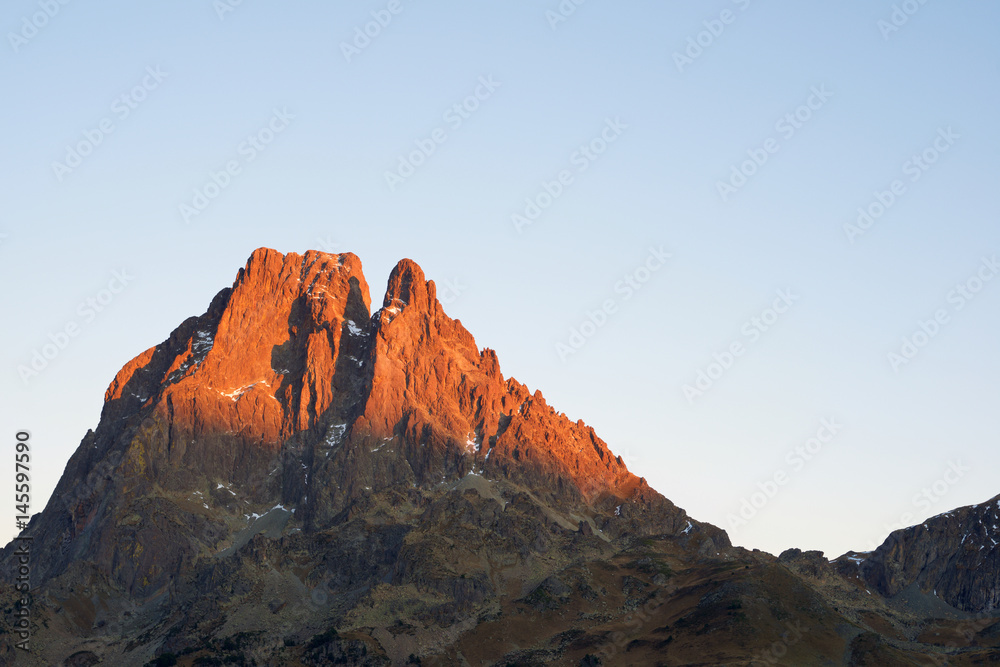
column 828, row 105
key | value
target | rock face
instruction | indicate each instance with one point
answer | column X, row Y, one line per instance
column 290, row 478
column 432, row 387
column 286, row 406
column 288, row 390
column 953, row 555
column 212, row 405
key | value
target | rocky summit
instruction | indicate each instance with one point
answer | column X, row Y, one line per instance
column 291, row 479
column 954, row 555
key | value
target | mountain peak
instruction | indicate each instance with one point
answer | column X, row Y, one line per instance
column 407, row 284
column 292, row 345
column 408, row 289
column 287, row 391
column 287, row 465
column 269, row 271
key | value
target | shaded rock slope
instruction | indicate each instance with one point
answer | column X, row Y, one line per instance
column 953, row 556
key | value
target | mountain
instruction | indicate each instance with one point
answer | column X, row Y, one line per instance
column 292, row 479
column 953, row 556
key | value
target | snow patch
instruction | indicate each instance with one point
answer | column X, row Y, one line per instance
column 334, row 436
column 201, row 343
column 235, row 394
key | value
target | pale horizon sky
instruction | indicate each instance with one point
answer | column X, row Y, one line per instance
column 626, row 139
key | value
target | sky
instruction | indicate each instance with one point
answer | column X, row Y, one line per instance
column 753, row 244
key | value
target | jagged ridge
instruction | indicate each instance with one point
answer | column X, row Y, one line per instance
column 288, row 391
column 953, row 555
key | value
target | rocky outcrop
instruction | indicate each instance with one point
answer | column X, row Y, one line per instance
column 954, row 556
column 433, row 388
column 288, row 391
